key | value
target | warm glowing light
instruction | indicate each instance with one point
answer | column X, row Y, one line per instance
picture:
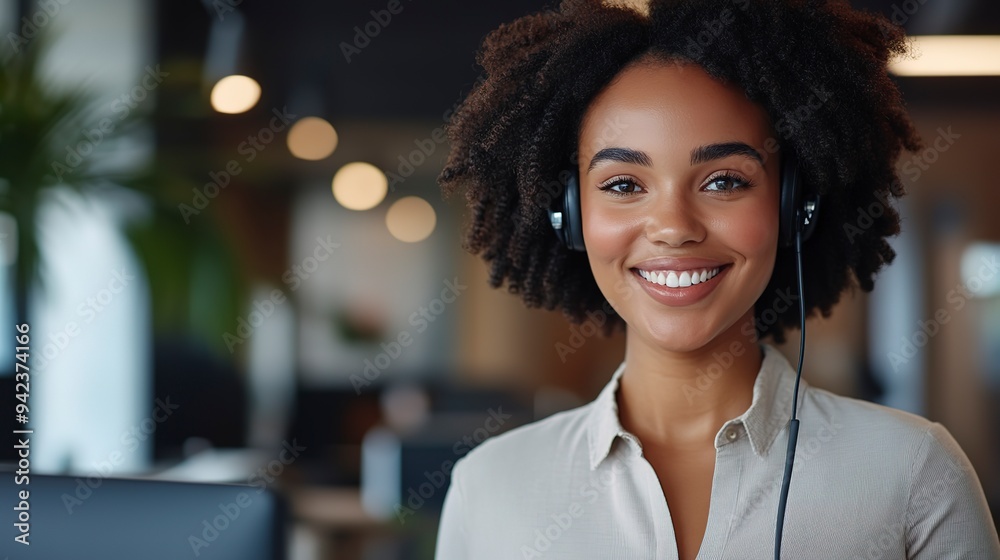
column 312, row 138
column 951, row 55
column 411, row 219
column 235, row 94
column 360, row 186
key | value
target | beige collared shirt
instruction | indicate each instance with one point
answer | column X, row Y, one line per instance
column 869, row 482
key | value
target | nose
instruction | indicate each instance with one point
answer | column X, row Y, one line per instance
column 674, row 219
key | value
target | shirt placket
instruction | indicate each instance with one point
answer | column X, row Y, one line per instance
column 726, row 480
column 725, row 487
column 666, row 541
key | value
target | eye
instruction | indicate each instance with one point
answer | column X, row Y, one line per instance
column 621, row 181
column 728, row 183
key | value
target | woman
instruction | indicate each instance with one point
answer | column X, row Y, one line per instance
column 677, row 128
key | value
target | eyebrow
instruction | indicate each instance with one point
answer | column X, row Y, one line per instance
column 623, row 155
column 700, row 154
column 725, row 149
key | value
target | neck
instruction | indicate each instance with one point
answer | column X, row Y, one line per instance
column 679, row 400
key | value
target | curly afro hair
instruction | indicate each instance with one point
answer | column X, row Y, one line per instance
column 517, row 130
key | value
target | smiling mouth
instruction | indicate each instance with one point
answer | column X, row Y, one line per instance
column 679, row 279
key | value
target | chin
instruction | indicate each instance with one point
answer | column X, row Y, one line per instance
column 675, row 335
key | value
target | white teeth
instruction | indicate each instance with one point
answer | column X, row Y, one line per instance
column 684, row 279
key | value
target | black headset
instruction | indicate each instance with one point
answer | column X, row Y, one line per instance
column 797, row 217
column 564, row 213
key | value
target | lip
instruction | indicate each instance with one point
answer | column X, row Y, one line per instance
column 680, row 297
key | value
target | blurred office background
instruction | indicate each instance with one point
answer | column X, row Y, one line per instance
column 257, row 280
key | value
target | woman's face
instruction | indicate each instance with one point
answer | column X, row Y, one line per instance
column 687, row 177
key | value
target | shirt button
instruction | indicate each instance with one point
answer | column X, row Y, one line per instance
column 732, row 433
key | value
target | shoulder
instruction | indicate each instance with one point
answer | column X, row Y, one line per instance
column 879, row 448
column 521, row 450
column 868, row 422
column 907, row 459
column 914, row 467
column 522, row 472
column 918, row 451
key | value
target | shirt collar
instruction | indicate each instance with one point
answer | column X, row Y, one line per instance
column 769, row 410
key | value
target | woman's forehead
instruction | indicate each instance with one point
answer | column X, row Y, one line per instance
column 670, row 105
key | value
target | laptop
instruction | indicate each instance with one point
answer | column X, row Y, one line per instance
column 47, row 517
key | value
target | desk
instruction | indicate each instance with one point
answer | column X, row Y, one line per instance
column 343, row 527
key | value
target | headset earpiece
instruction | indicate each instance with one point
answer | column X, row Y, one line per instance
column 564, row 214
column 795, row 213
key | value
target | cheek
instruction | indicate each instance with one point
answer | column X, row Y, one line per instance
column 606, row 233
column 609, row 236
column 759, row 236
column 753, row 231
column 754, row 234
